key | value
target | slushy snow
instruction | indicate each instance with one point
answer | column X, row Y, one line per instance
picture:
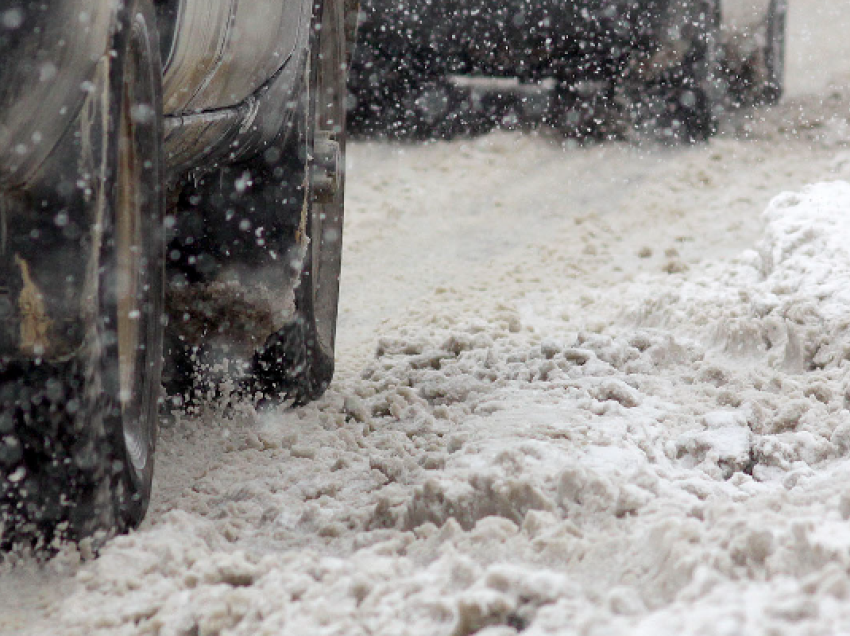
column 579, row 391
column 500, row 468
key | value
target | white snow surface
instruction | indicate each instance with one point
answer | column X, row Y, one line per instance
column 589, row 391
column 498, row 468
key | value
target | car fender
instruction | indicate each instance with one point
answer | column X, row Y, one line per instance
column 223, row 51
column 225, row 94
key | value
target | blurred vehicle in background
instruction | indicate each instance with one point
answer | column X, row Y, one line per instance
column 233, row 110
column 586, row 67
column 752, row 50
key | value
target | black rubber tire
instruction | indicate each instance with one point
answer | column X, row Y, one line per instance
column 77, row 434
column 279, row 231
column 297, row 362
column 132, row 422
column 774, row 53
column 586, row 115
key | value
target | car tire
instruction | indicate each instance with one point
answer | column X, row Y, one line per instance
column 297, row 361
column 78, row 431
column 586, row 114
column 255, row 248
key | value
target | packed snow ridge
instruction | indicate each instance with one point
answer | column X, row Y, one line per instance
column 507, row 466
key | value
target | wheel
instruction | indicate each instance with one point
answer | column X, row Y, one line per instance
column 132, row 290
column 297, row 361
column 680, row 102
column 585, row 112
column 774, row 53
column 79, row 423
column 254, row 259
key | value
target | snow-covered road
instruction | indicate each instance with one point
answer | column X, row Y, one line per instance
column 596, row 390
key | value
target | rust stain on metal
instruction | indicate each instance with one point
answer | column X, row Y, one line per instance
column 35, row 325
column 301, row 232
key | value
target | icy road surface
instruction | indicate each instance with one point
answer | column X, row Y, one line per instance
column 595, row 390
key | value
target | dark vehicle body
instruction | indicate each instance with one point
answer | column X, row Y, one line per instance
column 160, row 161
column 590, row 54
column 516, row 38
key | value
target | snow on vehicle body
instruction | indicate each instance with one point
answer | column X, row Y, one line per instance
column 105, row 107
